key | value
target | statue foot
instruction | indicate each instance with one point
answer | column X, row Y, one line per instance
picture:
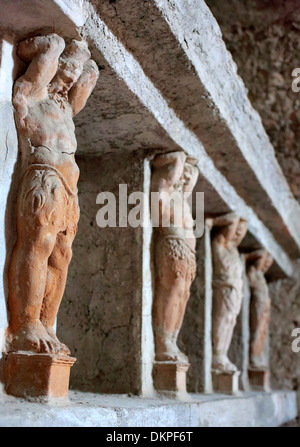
column 171, row 354
column 166, row 349
column 61, row 347
column 31, row 337
column 222, row 364
column 171, row 357
column 258, row 364
column 182, row 358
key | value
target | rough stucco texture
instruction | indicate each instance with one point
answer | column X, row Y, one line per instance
column 100, row 314
column 191, row 336
column 263, row 37
column 8, row 185
column 285, row 316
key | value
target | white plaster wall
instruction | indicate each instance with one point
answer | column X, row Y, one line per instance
column 147, row 339
column 244, row 379
column 208, row 295
column 8, row 157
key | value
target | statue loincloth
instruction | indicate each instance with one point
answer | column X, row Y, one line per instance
column 46, row 198
column 174, row 254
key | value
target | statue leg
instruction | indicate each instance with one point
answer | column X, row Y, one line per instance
column 259, row 323
column 27, row 282
column 166, row 308
column 190, row 276
column 169, row 305
column 58, row 265
column 40, row 217
column 227, row 305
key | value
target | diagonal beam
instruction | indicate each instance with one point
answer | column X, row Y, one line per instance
column 129, row 70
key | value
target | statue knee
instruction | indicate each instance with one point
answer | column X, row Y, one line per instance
column 231, row 319
column 47, row 245
column 268, row 305
column 43, row 245
column 67, row 254
column 63, row 255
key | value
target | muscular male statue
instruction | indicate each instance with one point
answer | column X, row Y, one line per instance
column 55, row 87
column 175, row 264
column 227, row 287
column 258, row 263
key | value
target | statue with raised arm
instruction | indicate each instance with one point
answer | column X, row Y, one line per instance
column 59, row 79
column 229, row 231
column 258, row 263
column 173, row 179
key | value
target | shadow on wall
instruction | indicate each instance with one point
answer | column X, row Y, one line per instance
column 100, row 314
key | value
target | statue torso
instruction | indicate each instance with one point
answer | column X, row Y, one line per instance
column 48, row 137
column 258, row 284
column 181, row 219
column 227, row 266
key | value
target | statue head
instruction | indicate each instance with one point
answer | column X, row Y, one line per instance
column 260, row 259
column 226, row 226
column 268, row 262
column 241, row 231
column 264, row 261
column 190, row 174
column 70, row 66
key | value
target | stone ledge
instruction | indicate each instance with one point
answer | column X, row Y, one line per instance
column 108, row 49
column 178, row 82
column 96, row 410
column 20, row 18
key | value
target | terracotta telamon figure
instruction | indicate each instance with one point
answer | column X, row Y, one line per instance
column 258, row 263
column 174, row 175
column 59, row 78
column 227, row 286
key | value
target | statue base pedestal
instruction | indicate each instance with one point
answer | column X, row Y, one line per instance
column 170, row 376
column 225, row 382
column 30, row 375
column 259, row 379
